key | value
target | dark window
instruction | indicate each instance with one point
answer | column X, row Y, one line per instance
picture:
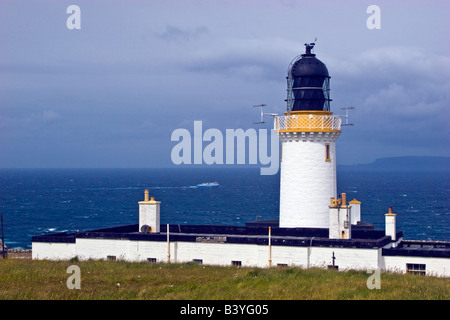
column 199, row 261
column 236, row 263
column 327, row 152
column 111, row 257
column 416, row 268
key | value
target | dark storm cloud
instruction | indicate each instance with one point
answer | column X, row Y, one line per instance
column 401, row 83
column 100, row 96
column 401, row 95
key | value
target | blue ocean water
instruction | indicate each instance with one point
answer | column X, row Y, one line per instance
column 41, row 201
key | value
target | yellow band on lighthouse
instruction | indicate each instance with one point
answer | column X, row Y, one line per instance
column 308, row 122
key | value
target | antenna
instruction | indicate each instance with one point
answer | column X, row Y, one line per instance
column 263, row 113
column 346, row 116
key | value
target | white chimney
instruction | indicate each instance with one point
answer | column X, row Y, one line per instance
column 340, row 218
column 356, row 211
column 149, row 214
column 391, row 224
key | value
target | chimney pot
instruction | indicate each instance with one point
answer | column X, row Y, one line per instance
column 344, row 199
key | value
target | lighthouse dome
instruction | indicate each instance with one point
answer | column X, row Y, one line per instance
column 308, row 83
column 309, row 66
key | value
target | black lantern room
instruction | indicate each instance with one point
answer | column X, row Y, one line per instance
column 308, row 83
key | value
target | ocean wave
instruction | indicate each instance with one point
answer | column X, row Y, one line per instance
column 139, row 188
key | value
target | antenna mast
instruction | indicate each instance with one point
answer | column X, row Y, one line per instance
column 263, row 113
column 346, row 116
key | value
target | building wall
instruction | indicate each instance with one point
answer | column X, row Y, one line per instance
column 120, row 249
column 247, row 254
column 149, row 214
column 345, row 258
column 53, row 251
column 222, row 253
column 340, row 222
column 209, row 253
column 307, row 180
column 434, row 266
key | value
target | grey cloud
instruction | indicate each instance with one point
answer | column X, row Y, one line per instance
column 44, row 116
column 399, row 81
column 262, row 59
column 176, row 34
column 401, row 95
column 136, row 71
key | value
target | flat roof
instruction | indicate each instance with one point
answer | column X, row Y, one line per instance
column 251, row 233
column 418, row 248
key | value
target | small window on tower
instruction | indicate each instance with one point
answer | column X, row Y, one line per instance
column 327, row 152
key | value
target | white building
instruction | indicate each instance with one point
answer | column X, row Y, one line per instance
column 251, row 245
column 316, row 227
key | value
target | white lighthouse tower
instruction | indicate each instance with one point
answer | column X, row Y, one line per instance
column 308, row 132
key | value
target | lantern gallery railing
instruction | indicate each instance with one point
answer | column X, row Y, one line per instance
column 308, row 123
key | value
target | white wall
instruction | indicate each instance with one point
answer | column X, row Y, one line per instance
column 224, row 253
column 149, row 214
column 53, row 251
column 346, row 258
column 210, row 253
column 434, row 266
column 307, row 181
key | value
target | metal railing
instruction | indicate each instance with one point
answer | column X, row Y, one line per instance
column 308, row 122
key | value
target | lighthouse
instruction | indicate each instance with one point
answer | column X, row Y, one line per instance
column 308, row 132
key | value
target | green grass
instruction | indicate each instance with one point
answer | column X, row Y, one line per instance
column 31, row 279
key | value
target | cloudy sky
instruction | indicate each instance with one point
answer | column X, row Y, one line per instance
column 111, row 93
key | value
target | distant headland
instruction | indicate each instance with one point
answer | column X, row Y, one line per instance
column 403, row 164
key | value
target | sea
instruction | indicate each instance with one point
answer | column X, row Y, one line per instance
column 44, row 201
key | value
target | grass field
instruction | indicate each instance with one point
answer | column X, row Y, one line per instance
column 100, row 280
